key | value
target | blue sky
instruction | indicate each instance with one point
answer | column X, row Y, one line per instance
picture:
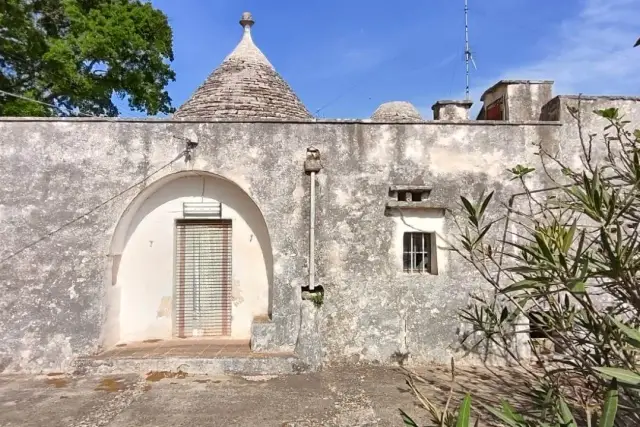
column 343, row 58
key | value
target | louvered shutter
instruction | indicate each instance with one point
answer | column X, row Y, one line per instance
column 202, row 294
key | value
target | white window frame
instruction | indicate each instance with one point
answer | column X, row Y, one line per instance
column 427, row 248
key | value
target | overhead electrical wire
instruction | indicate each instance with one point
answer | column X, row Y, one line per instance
column 186, row 152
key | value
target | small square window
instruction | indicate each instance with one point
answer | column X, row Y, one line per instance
column 418, row 253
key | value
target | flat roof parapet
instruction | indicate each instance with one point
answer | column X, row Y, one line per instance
column 601, row 97
column 312, row 122
column 449, row 109
column 465, row 102
column 514, row 82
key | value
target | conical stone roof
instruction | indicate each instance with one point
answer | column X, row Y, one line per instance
column 245, row 86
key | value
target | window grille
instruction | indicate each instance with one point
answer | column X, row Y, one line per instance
column 202, row 292
column 418, row 253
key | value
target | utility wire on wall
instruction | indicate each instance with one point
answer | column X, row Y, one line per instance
column 190, row 145
column 185, row 153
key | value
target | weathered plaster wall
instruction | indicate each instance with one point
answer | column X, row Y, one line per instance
column 54, row 300
column 526, row 100
column 144, row 286
column 374, row 312
column 587, row 123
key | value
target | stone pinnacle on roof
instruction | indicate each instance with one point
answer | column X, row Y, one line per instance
column 247, row 21
column 244, row 87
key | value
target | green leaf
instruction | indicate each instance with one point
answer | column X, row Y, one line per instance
column 568, row 238
column 522, row 284
column 584, row 268
column 520, row 171
column 577, row 287
column 608, row 417
column 470, row 210
column 608, row 113
column 522, row 269
column 499, row 415
column 544, row 248
column 483, row 232
column 511, row 413
column 485, row 203
column 606, row 245
column 566, row 415
column 633, row 334
column 623, row 375
column 587, row 185
column 504, row 314
column 464, row 413
column 407, row 419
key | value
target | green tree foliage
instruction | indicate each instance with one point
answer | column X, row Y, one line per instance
column 76, row 54
column 562, row 261
column 568, row 268
column 561, row 266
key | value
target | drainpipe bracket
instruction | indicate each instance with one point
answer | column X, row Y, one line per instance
column 312, row 166
column 312, row 162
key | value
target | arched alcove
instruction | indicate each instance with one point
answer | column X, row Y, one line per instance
column 145, row 251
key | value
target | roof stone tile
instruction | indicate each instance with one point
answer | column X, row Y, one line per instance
column 244, row 86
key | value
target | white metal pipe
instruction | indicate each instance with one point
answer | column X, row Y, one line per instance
column 312, row 233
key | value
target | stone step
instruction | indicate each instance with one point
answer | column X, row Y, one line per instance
column 253, row 364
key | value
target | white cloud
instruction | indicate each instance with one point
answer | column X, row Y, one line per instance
column 591, row 53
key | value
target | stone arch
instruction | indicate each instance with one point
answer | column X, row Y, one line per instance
column 139, row 275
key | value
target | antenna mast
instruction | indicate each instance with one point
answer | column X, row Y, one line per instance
column 467, row 51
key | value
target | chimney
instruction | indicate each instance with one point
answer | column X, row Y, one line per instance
column 451, row 110
column 516, row 100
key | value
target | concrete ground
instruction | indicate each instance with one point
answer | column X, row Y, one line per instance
column 339, row 396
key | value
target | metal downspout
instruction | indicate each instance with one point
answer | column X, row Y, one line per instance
column 312, row 234
column 312, row 166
